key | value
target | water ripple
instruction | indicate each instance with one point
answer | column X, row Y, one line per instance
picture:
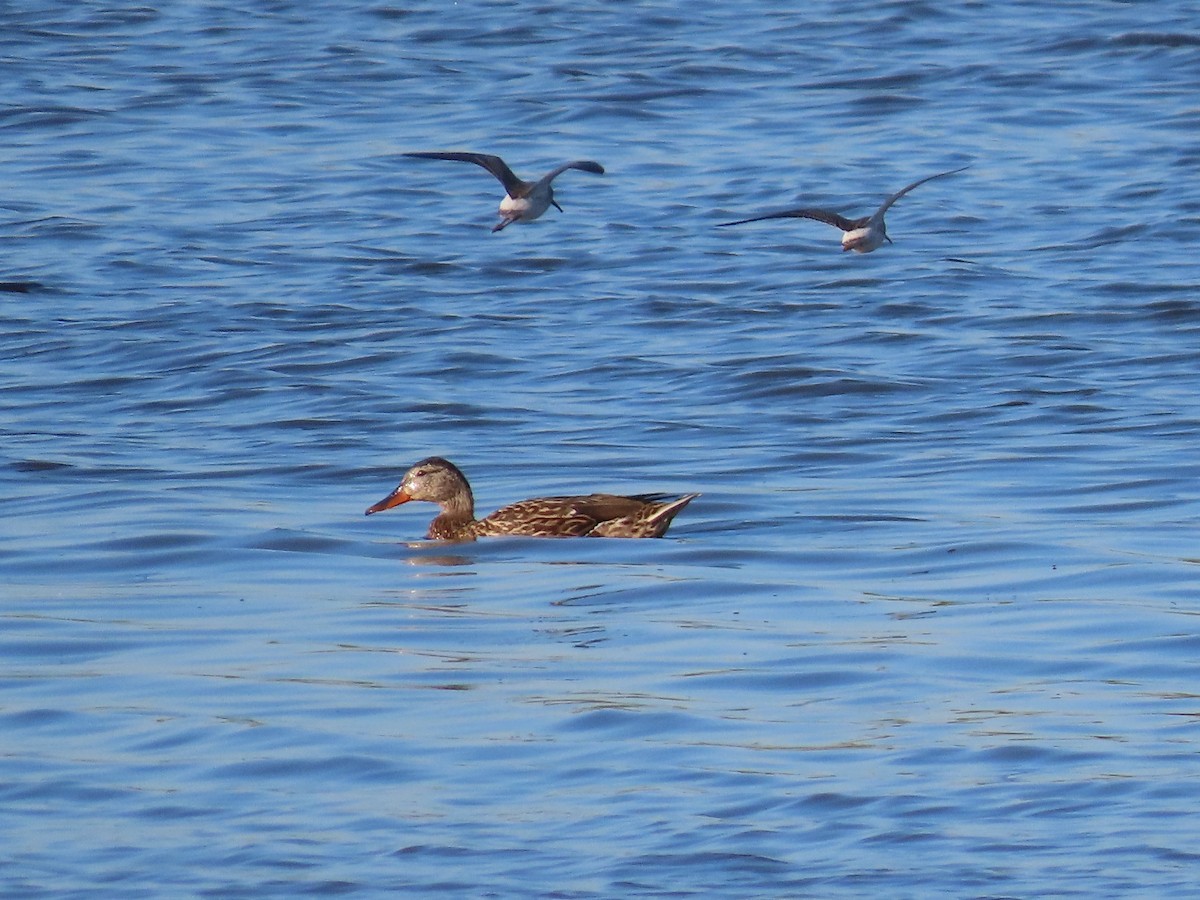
column 938, row 591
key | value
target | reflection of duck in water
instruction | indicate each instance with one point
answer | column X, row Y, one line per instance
column 18, row 287
column 597, row 515
column 860, row 235
column 524, row 201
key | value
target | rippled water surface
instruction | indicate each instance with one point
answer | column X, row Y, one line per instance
column 930, row 630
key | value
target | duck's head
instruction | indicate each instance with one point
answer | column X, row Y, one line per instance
column 434, row 479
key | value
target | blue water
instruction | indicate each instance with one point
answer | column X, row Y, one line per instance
column 930, row 630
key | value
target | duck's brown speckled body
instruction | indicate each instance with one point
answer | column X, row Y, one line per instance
column 596, row 515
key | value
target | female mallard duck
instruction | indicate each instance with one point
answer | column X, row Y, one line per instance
column 596, row 515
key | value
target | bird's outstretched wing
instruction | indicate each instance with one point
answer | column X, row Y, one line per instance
column 584, row 165
column 494, row 164
column 900, row 193
column 820, row 215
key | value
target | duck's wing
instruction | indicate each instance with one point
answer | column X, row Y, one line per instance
column 648, row 515
column 512, row 184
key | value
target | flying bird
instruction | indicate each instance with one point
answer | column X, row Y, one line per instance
column 524, row 201
column 860, row 235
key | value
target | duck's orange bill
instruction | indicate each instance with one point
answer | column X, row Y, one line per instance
column 393, row 499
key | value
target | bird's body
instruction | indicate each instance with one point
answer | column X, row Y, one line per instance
column 595, row 515
column 860, row 235
column 523, row 201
